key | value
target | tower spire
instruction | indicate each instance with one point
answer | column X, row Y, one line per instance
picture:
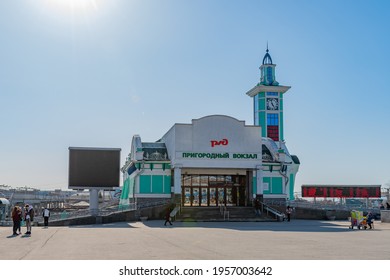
column 267, row 57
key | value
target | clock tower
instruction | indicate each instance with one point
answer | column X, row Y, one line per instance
column 279, row 167
column 268, row 101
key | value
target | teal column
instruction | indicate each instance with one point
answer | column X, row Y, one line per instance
column 281, row 133
column 292, row 183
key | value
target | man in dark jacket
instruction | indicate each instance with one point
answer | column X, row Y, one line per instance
column 46, row 215
column 28, row 217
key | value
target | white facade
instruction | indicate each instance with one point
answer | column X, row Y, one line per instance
column 215, row 144
column 215, row 160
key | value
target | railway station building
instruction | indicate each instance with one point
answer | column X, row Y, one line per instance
column 218, row 160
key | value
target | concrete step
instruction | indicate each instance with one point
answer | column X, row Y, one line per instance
column 214, row 214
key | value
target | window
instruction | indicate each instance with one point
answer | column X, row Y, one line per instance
column 272, row 119
column 272, row 93
column 269, row 74
column 273, row 126
column 266, row 154
column 273, row 132
column 256, row 103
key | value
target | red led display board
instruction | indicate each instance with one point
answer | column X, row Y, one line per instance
column 362, row 191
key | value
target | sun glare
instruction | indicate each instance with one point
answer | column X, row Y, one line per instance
column 75, row 5
column 74, row 11
column 71, row 7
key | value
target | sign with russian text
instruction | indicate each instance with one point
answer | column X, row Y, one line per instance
column 350, row 191
column 199, row 155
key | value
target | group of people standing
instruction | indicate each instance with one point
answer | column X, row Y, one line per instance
column 17, row 219
column 28, row 217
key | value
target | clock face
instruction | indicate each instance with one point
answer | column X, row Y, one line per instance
column 272, row 104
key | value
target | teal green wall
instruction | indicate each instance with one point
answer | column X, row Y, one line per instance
column 263, row 124
column 262, row 104
column 277, row 185
column 155, row 184
column 157, row 181
column 125, row 189
column 281, row 131
column 281, row 122
column 145, row 184
column 127, row 192
column 291, row 194
column 167, row 184
column 267, row 180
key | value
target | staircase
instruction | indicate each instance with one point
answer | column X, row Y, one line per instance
column 213, row 214
column 199, row 214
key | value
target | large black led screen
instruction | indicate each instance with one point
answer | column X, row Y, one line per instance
column 94, row 167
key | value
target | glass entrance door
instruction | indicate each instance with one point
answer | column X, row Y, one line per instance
column 204, row 197
column 229, row 196
column 221, row 196
column 187, row 196
column 195, row 197
column 213, row 197
column 209, row 190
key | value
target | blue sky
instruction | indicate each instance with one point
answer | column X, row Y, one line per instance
column 97, row 72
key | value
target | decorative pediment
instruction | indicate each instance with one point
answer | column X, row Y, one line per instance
column 155, row 156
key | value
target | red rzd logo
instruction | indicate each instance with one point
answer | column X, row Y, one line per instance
column 223, row 142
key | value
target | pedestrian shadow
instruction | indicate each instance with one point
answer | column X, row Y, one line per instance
column 293, row 226
column 19, row 235
column 107, row 226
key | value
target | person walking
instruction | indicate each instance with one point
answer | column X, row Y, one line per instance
column 168, row 217
column 28, row 217
column 16, row 218
column 46, row 215
column 288, row 212
column 257, row 208
column 20, row 213
column 370, row 220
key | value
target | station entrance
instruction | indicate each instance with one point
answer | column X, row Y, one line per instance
column 214, row 190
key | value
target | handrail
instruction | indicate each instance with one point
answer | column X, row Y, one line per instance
column 226, row 213
column 222, row 209
column 279, row 215
column 174, row 212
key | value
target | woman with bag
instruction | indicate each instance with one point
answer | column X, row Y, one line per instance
column 16, row 218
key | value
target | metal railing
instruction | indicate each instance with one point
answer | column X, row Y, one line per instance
column 224, row 212
column 331, row 206
column 278, row 215
column 87, row 212
column 175, row 211
column 108, row 210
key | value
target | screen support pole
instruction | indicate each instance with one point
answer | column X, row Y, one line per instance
column 94, row 201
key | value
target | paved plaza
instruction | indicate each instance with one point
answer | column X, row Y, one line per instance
column 297, row 240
